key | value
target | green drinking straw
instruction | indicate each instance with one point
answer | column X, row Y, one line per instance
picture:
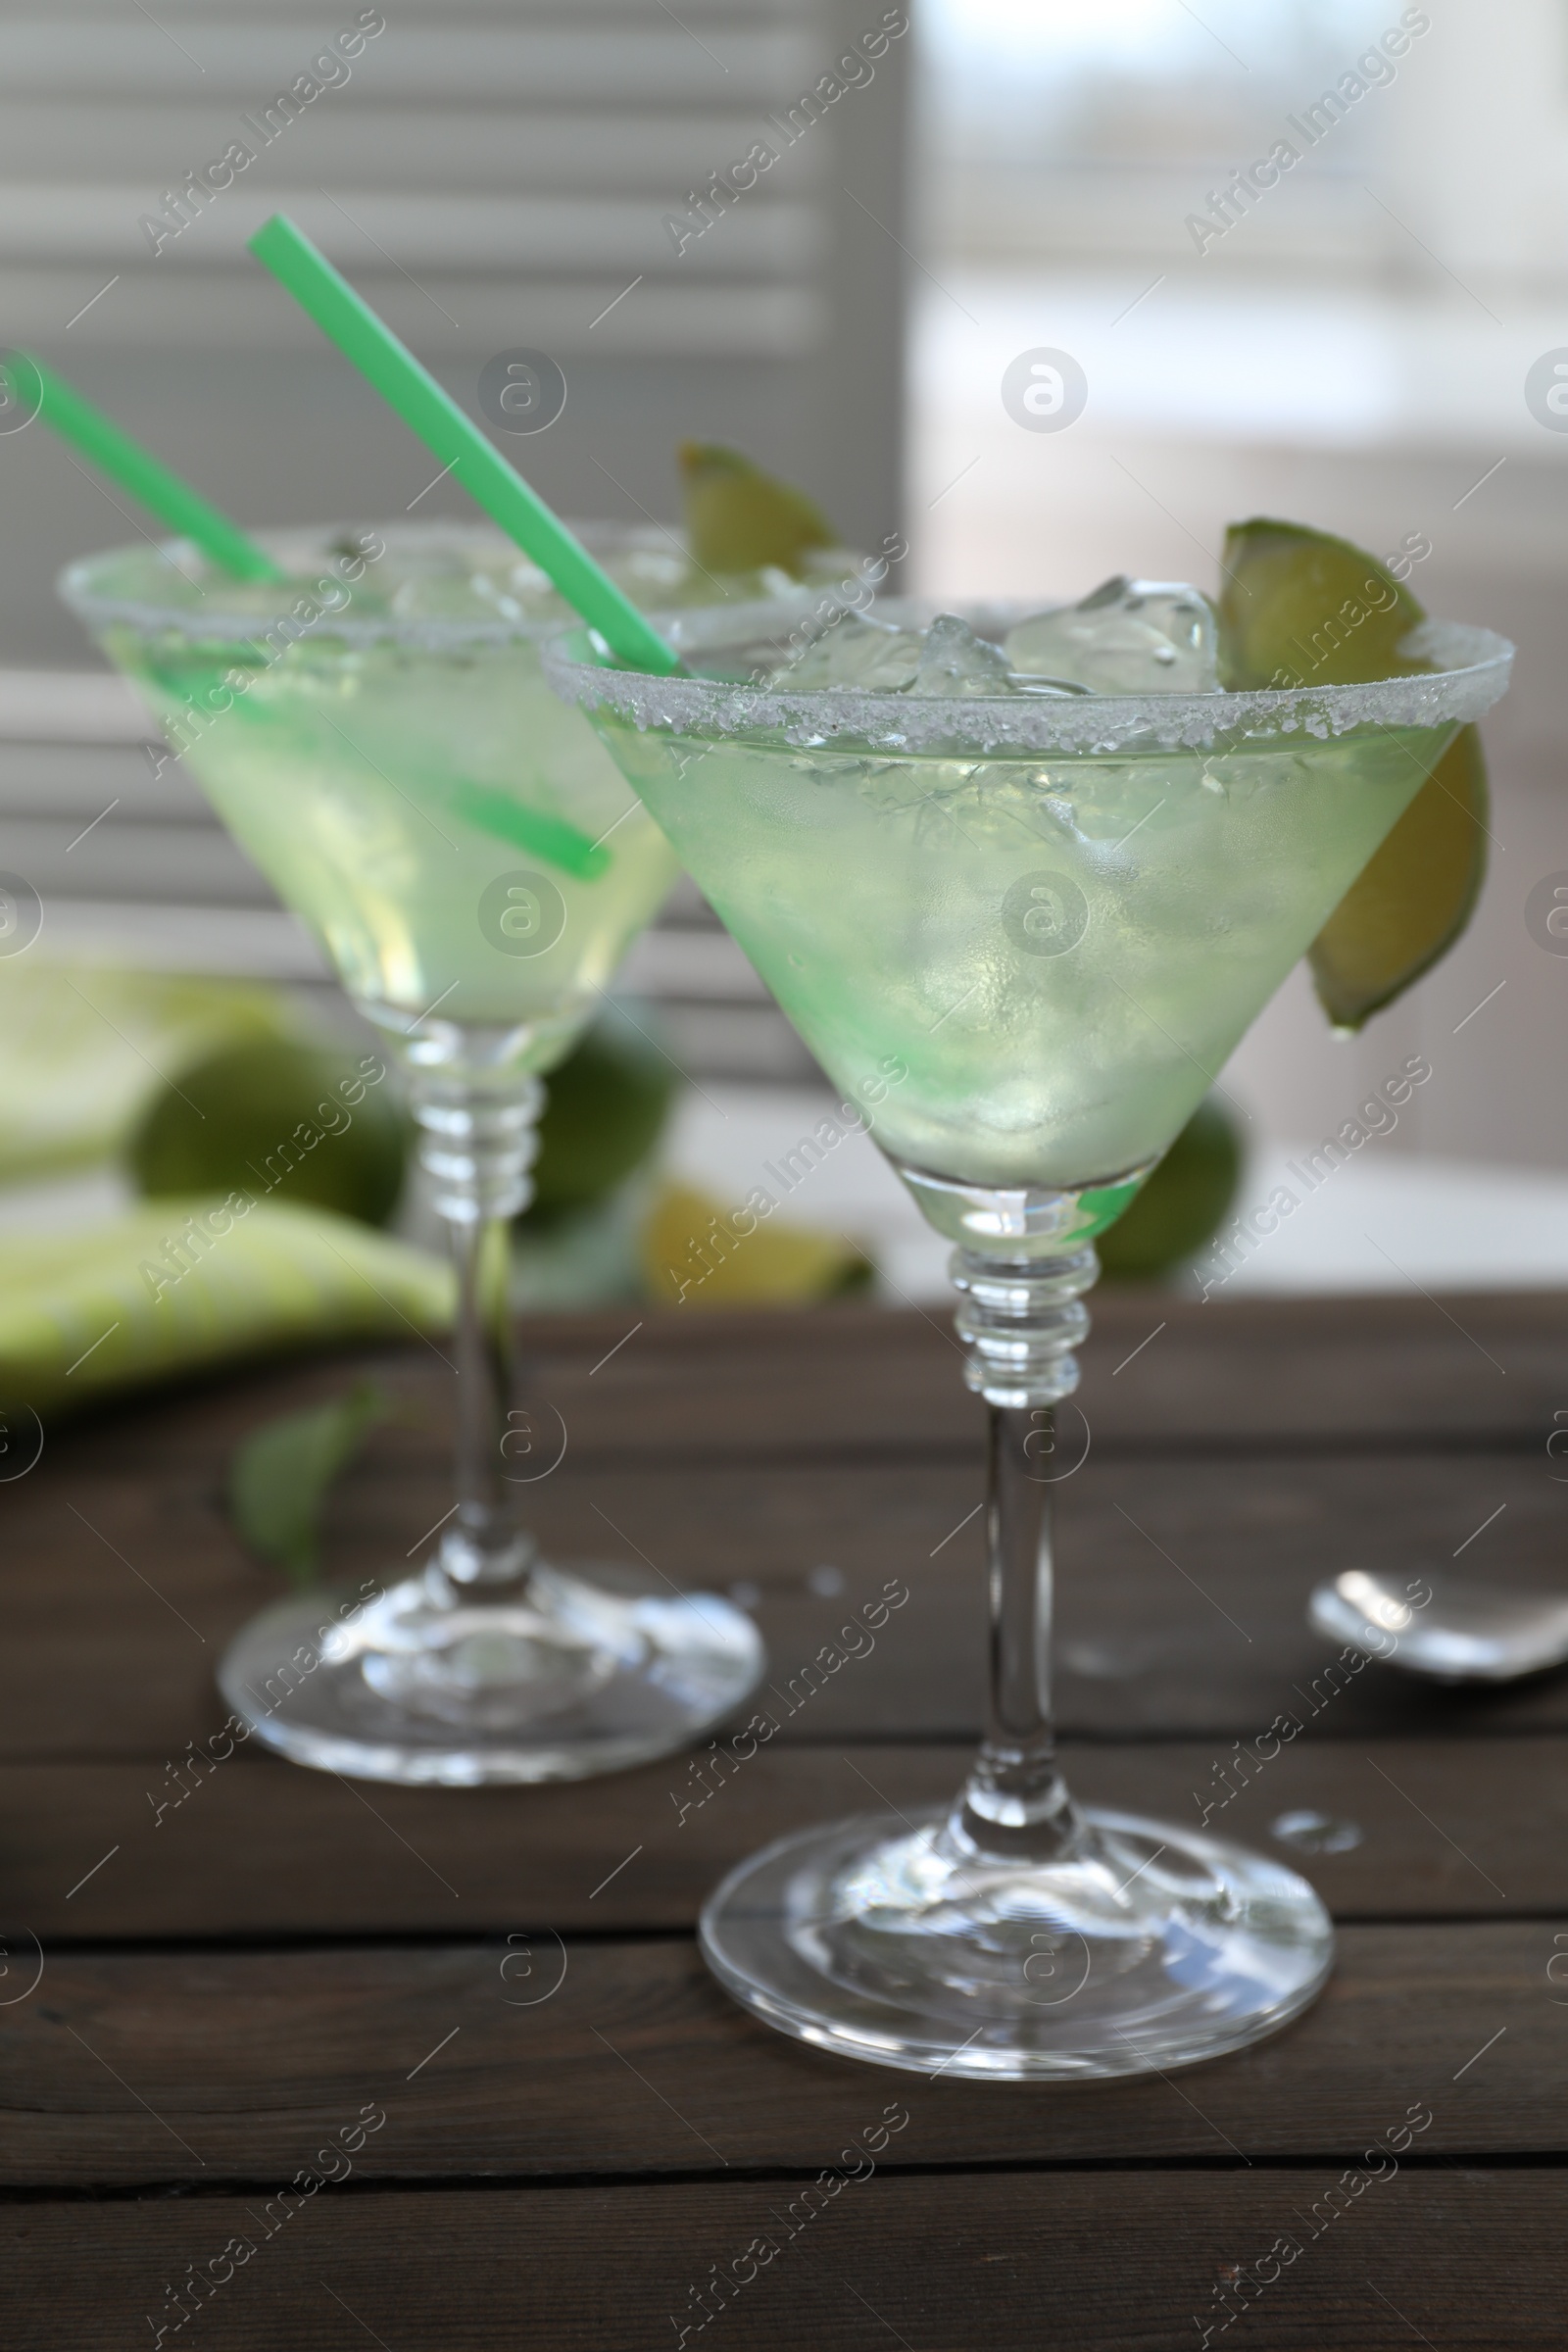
column 450, row 435
column 136, row 469
column 137, row 472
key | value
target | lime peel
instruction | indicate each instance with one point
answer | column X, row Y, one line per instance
column 1301, row 607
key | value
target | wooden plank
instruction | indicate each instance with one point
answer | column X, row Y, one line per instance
column 565, row 2059
column 1032, row 2262
column 1477, row 1368
column 1456, row 1829
column 1183, row 1584
column 1295, row 1372
column 733, row 1455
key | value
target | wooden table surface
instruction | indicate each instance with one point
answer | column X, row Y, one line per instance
column 577, row 2132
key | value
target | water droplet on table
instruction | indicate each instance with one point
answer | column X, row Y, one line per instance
column 1316, row 1832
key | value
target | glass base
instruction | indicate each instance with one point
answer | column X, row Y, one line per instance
column 1140, row 1946
column 558, row 1676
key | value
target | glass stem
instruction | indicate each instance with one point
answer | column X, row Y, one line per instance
column 477, row 1140
column 1021, row 1321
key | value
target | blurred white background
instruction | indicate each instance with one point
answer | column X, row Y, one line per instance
column 1350, row 352
column 1350, row 349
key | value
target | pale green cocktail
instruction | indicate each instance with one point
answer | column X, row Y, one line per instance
column 1021, row 897
column 402, row 757
column 377, row 733
column 1060, row 950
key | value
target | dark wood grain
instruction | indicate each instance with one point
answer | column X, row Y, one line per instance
column 1183, row 1584
column 226, row 1987
column 570, row 2059
column 1034, row 2262
column 1452, row 1828
column 1471, row 1369
column 1475, row 1369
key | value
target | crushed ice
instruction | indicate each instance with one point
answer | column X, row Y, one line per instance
column 856, row 652
column 1129, row 637
column 955, row 660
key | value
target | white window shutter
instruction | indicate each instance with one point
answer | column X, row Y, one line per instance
column 489, row 175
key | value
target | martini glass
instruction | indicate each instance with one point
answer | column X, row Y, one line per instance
column 378, row 736
column 1026, row 931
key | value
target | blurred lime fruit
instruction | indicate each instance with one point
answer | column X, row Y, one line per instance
column 1301, row 607
column 692, row 1254
column 307, row 1124
column 74, row 1086
column 605, row 1109
column 739, row 518
column 1183, row 1203
column 1413, row 897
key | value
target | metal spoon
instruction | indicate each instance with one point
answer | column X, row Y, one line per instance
column 1462, row 1632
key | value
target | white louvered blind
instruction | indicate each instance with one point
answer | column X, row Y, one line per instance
column 489, row 175
column 468, row 162
column 131, row 866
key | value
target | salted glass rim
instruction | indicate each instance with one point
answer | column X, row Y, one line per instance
column 1472, row 672
column 309, row 548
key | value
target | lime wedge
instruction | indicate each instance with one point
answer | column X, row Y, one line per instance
column 1412, row 898
column 1183, row 1203
column 82, row 1045
column 691, row 1252
column 739, row 518
column 606, row 1108
column 273, row 1114
column 1302, row 608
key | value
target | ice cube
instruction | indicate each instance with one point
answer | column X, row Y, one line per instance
column 1130, row 637
column 855, row 652
column 955, row 660
column 468, row 577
